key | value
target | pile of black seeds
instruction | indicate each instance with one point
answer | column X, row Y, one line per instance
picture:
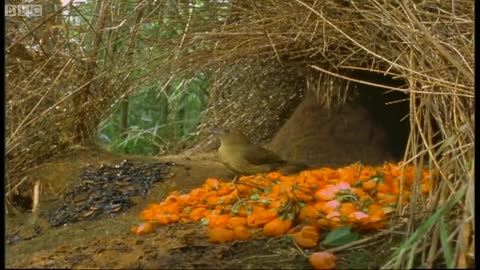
column 108, row 190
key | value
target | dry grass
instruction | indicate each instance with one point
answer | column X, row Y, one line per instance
column 260, row 55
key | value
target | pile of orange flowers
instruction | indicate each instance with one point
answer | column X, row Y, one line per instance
column 302, row 205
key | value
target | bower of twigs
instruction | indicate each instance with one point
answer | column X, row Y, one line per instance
column 261, row 55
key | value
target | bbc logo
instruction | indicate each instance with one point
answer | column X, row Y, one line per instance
column 23, row 10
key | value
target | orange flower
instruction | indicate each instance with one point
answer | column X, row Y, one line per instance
column 347, row 208
column 220, row 235
column 197, row 194
column 343, row 185
column 277, row 204
column 241, row 233
column 377, row 225
column 172, row 199
column 304, row 195
column 172, row 208
column 146, row 215
column 294, row 229
column 236, row 222
column 387, row 198
column 244, row 189
column 143, row 229
column 425, row 187
column 304, row 241
column 308, row 212
column 184, row 220
column 358, row 216
column 162, row 218
column 327, row 193
column 320, row 206
column 311, row 181
column 307, row 237
column 218, row 221
column 197, row 214
column 320, row 175
column 406, row 196
column 211, row 184
column 331, row 206
column 225, row 188
column 374, row 209
column 333, row 214
column 319, row 193
column 277, row 226
column 388, row 178
column 332, row 174
column 274, row 175
column 174, row 218
column 227, row 199
column 369, row 185
column 289, row 179
column 211, row 198
column 383, row 188
column 323, row 223
column 260, row 218
column 323, row 260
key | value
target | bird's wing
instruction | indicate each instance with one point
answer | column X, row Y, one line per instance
column 258, row 155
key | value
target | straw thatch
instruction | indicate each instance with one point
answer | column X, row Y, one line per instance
column 261, row 55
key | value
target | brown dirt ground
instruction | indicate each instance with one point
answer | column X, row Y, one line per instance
column 108, row 242
column 339, row 138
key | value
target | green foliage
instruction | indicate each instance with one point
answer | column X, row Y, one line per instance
column 422, row 230
column 162, row 114
column 340, row 236
column 446, row 246
column 158, row 120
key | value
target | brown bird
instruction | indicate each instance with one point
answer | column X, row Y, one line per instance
column 243, row 157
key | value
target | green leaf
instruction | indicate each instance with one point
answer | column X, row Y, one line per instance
column 254, row 196
column 446, row 143
column 378, row 178
column 265, row 201
column 429, row 223
column 204, row 221
column 446, row 247
column 357, row 184
column 340, row 236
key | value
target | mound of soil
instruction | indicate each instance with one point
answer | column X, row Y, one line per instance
column 337, row 137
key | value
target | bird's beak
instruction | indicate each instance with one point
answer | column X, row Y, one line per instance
column 216, row 131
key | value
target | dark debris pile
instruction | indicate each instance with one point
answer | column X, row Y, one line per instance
column 108, row 190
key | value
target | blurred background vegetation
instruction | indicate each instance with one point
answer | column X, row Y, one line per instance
column 161, row 116
column 157, row 120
